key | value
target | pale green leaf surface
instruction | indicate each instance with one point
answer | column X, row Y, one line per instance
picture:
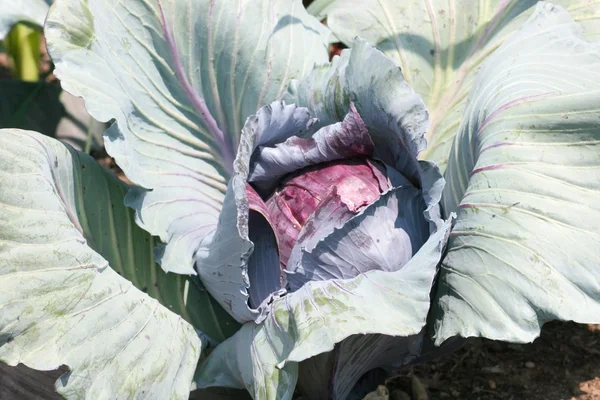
column 180, row 78
column 441, row 46
column 29, row 11
column 62, row 217
column 525, row 178
column 263, row 358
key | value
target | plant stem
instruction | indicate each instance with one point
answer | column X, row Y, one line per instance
column 23, row 45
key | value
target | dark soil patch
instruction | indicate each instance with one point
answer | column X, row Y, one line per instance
column 562, row 364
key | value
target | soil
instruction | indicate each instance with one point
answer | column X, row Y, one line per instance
column 562, row 364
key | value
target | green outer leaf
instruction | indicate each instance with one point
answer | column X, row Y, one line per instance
column 441, row 46
column 180, row 77
column 109, row 229
column 263, row 358
column 129, row 251
column 30, row 11
column 61, row 302
column 525, row 177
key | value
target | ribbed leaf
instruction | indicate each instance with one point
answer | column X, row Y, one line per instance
column 62, row 222
column 524, row 175
column 441, row 45
column 180, row 78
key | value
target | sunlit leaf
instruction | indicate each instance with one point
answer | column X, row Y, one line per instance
column 62, row 220
column 180, row 78
column 524, row 176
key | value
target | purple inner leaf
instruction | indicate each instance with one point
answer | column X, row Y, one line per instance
column 356, row 182
column 347, row 139
column 384, row 236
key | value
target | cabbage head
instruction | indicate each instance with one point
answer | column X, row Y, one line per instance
column 297, row 224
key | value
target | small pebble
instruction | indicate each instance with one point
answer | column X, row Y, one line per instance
column 496, row 369
column 492, row 384
column 380, row 394
column 530, row 364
